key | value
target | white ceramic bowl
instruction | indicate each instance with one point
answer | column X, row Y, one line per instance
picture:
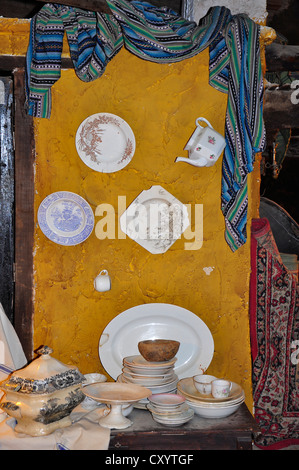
column 205, row 412
column 180, row 419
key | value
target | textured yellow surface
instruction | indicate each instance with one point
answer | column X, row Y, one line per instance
column 161, row 103
column 14, row 36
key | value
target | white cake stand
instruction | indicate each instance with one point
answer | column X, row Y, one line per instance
column 116, row 395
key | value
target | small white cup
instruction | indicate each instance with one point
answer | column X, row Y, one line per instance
column 102, row 282
column 94, row 377
column 221, row 388
column 203, row 383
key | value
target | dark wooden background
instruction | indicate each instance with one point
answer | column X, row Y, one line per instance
column 6, row 196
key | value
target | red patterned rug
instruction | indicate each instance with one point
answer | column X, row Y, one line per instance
column 274, row 331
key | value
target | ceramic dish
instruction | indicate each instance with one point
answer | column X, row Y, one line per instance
column 164, row 388
column 138, row 365
column 154, row 376
column 142, row 403
column 214, row 412
column 176, row 420
column 167, row 388
column 121, row 336
column 65, row 218
column 115, row 395
column 105, row 142
column 148, row 381
column 114, row 392
column 166, row 400
column 155, row 220
column 215, row 406
column 187, row 388
column 173, row 411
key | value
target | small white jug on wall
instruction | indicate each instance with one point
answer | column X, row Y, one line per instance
column 102, row 282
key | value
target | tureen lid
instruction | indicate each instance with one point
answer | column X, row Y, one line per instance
column 43, row 375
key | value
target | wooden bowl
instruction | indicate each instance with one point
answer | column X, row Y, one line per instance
column 158, row 350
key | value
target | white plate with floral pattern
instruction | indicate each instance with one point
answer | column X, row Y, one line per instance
column 105, row 142
column 65, row 218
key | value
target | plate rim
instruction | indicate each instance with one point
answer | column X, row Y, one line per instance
column 106, row 167
column 42, row 212
column 112, row 328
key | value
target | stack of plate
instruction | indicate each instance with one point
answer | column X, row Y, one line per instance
column 159, row 377
column 207, row 406
column 169, row 409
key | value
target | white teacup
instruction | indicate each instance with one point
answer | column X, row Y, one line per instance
column 203, row 383
column 94, row 377
column 221, row 388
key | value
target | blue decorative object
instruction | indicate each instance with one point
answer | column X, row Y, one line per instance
column 65, row 218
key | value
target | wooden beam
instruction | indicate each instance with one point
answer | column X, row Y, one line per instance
column 281, row 109
column 281, row 58
column 9, row 62
column 24, row 216
column 90, row 5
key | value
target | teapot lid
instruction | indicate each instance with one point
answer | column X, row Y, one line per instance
column 43, row 375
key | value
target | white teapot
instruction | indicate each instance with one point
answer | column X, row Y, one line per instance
column 205, row 145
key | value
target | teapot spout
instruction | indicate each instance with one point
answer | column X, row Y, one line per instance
column 189, row 160
column 181, row 159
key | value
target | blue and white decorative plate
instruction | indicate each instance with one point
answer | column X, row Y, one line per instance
column 65, row 218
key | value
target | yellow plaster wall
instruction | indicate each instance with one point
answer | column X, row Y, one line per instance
column 14, row 36
column 161, row 103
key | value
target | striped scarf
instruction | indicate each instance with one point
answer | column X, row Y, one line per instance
column 244, row 127
column 160, row 35
column 156, row 34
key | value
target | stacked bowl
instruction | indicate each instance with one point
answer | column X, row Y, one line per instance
column 169, row 409
column 206, row 406
column 159, row 377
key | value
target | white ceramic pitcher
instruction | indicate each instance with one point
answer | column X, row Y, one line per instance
column 102, row 282
column 205, row 145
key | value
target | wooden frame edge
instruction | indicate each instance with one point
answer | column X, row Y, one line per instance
column 24, row 216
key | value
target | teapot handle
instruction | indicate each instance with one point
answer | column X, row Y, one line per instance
column 204, row 120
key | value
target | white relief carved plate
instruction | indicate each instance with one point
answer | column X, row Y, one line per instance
column 105, row 142
column 155, row 220
column 65, row 218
